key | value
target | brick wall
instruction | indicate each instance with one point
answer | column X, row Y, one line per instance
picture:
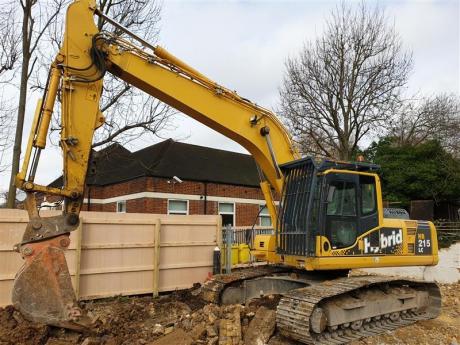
column 246, row 213
column 154, row 184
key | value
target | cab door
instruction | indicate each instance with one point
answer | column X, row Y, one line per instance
column 341, row 210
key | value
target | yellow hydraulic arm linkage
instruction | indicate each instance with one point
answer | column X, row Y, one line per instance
column 43, row 290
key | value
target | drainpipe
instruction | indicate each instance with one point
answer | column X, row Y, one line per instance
column 89, row 198
column 205, row 197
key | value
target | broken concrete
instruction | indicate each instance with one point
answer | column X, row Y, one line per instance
column 199, row 331
column 211, row 332
column 91, row 341
column 230, row 327
column 158, row 329
column 177, row 337
column 261, row 327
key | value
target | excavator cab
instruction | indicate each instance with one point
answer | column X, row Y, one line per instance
column 331, row 217
column 337, row 201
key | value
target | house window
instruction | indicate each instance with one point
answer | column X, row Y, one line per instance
column 121, row 206
column 227, row 212
column 178, row 207
column 264, row 217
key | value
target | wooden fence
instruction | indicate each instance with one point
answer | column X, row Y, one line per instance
column 122, row 253
column 448, row 232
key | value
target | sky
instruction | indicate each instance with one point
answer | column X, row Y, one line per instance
column 243, row 45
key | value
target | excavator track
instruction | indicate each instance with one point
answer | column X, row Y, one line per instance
column 211, row 290
column 301, row 313
column 367, row 305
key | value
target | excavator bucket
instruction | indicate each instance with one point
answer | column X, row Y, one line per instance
column 43, row 289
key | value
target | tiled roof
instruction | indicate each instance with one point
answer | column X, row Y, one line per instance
column 169, row 158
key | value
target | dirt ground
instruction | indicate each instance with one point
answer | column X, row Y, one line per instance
column 182, row 318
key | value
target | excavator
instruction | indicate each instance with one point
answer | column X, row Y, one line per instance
column 330, row 218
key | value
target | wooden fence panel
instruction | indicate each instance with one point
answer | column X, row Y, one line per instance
column 116, row 254
column 186, row 250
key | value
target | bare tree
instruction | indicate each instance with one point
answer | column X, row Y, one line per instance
column 18, row 201
column 9, row 56
column 345, row 84
column 6, row 124
column 436, row 117
column 36, row 19
column 9, row 42
column 3, row 198
column 129, row 113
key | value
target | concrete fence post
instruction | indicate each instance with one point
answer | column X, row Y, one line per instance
column 228, row 248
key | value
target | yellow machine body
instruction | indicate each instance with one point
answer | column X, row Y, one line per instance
column 354, row 256
column 392, row 243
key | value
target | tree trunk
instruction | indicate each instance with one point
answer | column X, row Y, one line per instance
column 26, row 35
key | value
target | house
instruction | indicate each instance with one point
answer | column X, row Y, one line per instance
column 176, row 178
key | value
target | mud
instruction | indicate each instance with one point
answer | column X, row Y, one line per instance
column 182, row 318
column 121, row 320
column 15, row 330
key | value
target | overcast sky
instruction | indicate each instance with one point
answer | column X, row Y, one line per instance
column 243, row 45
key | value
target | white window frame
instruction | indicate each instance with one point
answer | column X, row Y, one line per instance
column 178, row 213
column 262, row 215
column 121, row 202
column 232, row 213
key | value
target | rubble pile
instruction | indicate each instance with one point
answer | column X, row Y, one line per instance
column 225, row 325
column 182, row 318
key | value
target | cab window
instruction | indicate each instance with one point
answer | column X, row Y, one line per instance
column 368, row 195
column 342, row 199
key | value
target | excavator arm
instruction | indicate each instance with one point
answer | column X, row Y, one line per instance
column 43, row 290
column 77, row 73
